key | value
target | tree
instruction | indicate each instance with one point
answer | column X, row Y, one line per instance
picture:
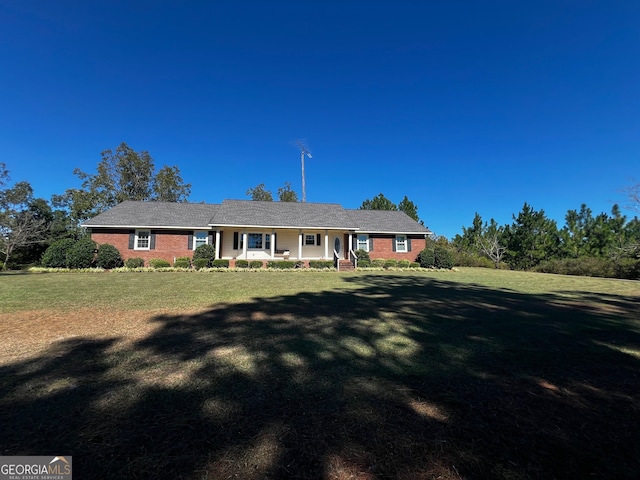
column 490, row 242
column 20, row 225
column 260, row 194
column 379, row 202
column 123, row 174
column 286, row 194
column 633, row 195
column 168, row 186
column 531, row 239
column 468, row 241
column 410, row 208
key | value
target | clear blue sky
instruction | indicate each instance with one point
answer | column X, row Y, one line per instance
column 463, row 106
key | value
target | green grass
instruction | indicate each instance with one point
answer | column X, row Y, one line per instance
column 472, row 374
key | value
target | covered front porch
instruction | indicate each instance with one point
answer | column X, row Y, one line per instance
column 283, row 244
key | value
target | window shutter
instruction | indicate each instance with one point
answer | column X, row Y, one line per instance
column 235, row 240
column 370, row 244
column 408, row 244
column 210, row 239
column 394, row 241
column 132, row 240
column 318, row 239
column 152, row 241
column 190, row 241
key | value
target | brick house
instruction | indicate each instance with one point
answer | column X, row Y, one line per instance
column 252, row 230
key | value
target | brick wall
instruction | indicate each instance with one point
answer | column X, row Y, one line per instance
column 169, row 244
column 383, row 248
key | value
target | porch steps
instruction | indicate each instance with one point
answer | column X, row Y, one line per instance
column 346, row 266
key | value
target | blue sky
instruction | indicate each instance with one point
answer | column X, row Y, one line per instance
column 463, row 106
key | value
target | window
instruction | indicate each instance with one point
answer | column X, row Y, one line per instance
column 363, row 243
column 200, row 238
column 309, row 239
column 267, row 241
column 255, row 240
column 401, row 243
column 143, row 240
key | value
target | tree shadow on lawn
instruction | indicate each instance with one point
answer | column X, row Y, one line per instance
column 397, row 377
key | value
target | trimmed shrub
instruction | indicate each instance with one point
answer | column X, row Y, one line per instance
column 242, row 263
column 159, row 263
column 320, row 264
column 205, row 251
column 427, row 258
column 56, row 255
column 221, row 263
column 403, row 263
column 378, row 262
column 390, row 263
column 182, row 262
column 414, row 265
column 364, row 263
column 200, row 263
column 362, row 255
column 81, row 255
column 108, row 257
column 443, row 258
column 282, row 264
column 135, row 262
column 256, row 264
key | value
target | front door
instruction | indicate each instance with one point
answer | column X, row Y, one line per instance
column 337, row 246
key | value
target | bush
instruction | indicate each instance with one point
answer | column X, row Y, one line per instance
column 200, row 263
column 205, row 251
column 242, row 264
column 81, row 255
column 135, row 262
column 320, row 264
column 442, row 258
column 108, row 257
column 427, row 258
column 591, row 267
column 364, row 263
column 182, row 262
column 256, row 264
column 377, row 262
column 404, row 263
column 56, row 255
column 362, row 255
column 464, row 259
column 391, row 263
column 628, row 268
column 220, row 263
column 282, row 264
column 414, row 265
column 159, row 263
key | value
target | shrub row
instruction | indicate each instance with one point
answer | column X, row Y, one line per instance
column 627, row 268
column 83, row 253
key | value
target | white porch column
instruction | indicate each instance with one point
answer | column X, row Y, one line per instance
column 348, row 247
column 300, row 245
column 217, row 256
column 273, row 243
column 244, row 245
column 326, row 245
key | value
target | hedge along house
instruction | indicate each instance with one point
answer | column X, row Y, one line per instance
column 252, row 230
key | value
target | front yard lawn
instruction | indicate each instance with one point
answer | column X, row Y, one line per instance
column 406, row 375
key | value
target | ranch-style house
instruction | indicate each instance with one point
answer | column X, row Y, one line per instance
column 254, row 230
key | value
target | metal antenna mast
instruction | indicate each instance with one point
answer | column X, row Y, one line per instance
column 303, row 151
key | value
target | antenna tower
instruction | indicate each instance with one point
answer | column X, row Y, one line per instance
column 303, row 151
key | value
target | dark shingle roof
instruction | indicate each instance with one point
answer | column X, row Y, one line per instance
column 386, row 221
column 246, row 213
column 155, row 214
column 282, row 214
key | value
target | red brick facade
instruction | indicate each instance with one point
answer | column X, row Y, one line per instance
column 169, row 244
column 383, row 247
